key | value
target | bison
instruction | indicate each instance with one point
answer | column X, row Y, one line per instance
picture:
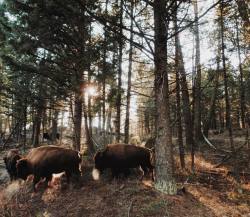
column 10, row 160
column 121, row 157
column 43, row 161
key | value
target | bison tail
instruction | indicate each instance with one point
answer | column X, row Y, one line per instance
column 80, row 156
column 95, row 174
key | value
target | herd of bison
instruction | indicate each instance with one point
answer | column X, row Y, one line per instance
column 44, row 161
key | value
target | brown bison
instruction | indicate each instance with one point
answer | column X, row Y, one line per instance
column 42, row 162
column 120, row 157
column 10, row 160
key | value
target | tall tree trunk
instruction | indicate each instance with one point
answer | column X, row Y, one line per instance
column 243, row 8
column 187, row 114
column 165, row 181
column 197, row 84
column 33, row 125
column 100, row 110
column 211, row 112
column 37, row 126
column 49, row 119
column 178, row 98
column 129, row 74
column 62, row 127
column 242, row 86
column 89, row 95
column 99, row 121
column 54, row 125
column 119, row 87
column 104, row 74
column 225, row 75
column 88, row 133
column 103, row 104
column 24, row 124
column 108, row 126
column 78, row 118
column 179, row 122
column 90, row 114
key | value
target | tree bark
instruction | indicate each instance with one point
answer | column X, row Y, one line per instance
column 129, row 75
column 104, row 75
column 25, row 124
column 242, row 86
column 197, row 83
column 243, row 8
column 37, row 126
column 165, row 181
column 178, row 99
column 90, row 114
column 186, row 102
column 78, row 118
column 225, row 75
column 119, row 87
column 54, row 125
column 88, row 132
column 211, row 112
column 100, row 110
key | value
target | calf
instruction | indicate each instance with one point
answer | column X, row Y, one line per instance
column 10, row 160
column 120, row 157
column 42, row 162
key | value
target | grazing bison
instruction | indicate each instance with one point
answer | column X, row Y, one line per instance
column 120, row 157
column 10, row 160
column 42, row 162
column 48, row 136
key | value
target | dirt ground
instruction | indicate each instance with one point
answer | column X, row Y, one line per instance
column 210, row 192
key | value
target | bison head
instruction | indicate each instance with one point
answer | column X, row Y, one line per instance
column 23, row 169
column 99, row 161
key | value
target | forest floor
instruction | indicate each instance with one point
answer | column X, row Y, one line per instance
column 210, row 192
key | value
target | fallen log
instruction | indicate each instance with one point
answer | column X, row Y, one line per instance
column 232, row 154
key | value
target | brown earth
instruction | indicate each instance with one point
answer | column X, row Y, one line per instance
column 210, row 192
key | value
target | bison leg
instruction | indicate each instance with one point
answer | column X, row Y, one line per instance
column 115, row 172
column 68, row 176
column 151, row 170
column 144, row 171
column 126, row 172
column 48, row 179
column 77, row 172
column 35, row 181
column 11, row 177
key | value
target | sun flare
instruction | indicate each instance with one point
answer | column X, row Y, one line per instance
column 91, row 91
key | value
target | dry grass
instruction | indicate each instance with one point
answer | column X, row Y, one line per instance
column 210, row 192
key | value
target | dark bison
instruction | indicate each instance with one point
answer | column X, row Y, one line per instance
column 10, row 160
column 120, row 157
column 48, row 136
column 42, row 162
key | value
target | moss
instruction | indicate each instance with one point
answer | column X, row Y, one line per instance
column 167, row 187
